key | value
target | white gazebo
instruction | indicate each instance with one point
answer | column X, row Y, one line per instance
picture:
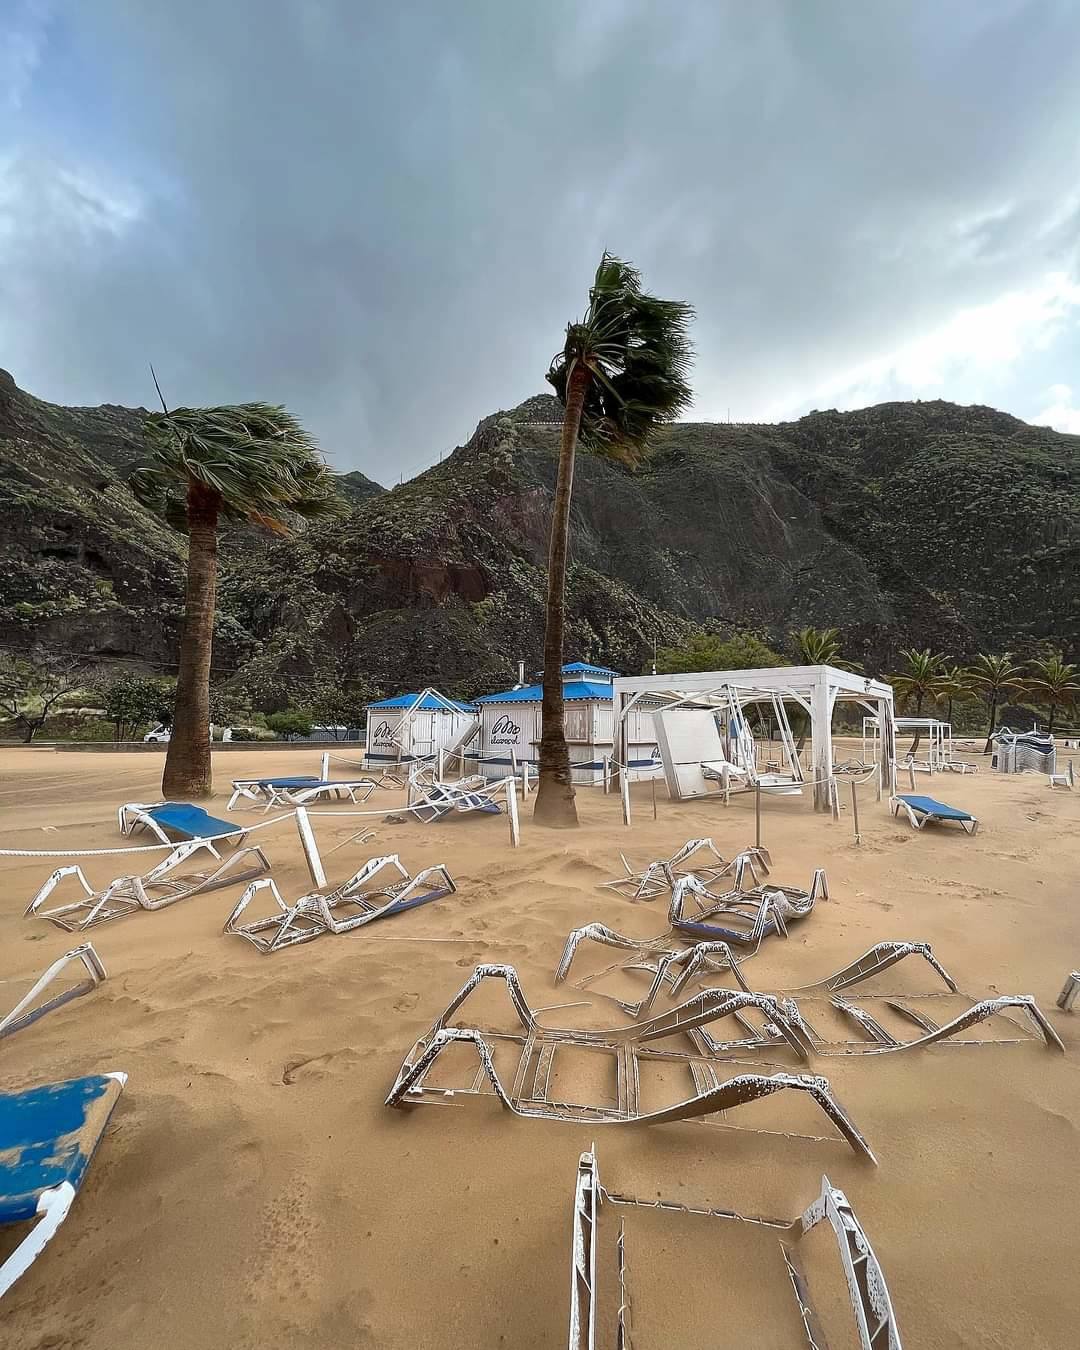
column 815, row 689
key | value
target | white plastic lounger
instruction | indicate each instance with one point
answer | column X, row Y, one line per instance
column 24, row 1012
column 156, row 889
column 921, row 810
column 271, row 792
column 182, row 818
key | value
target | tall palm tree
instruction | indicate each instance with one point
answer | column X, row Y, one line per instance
column 621, row 374
column 920, row 680
column 1053, row 682
column 993, row 678
column 250, row 462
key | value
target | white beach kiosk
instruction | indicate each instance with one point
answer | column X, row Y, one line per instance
column 417, row 726
column 702, row 726
column 511, row 723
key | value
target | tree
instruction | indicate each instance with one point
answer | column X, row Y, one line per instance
column 1053, row 681
column 250, row 462
column 921, row 679
column 131, row 701
column 992, row 678
column 820, row 647
column 708, row 651
column 621, row 374
column 954, row 688
column 31, row 686
column 333, row 705
column 292, row 722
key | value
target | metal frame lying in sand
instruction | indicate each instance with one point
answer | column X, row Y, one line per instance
column 752, row 914
column 22, row 1015
column 319, row 912
column 156, row 889
column 660, row 876
column 285, row 792
column 676, row 968
column 430, row 798
column 1068, row 995
column 875, row 1320
column 627, row 1047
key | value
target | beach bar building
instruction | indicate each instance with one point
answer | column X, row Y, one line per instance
column 511, row 724
column 417, row 726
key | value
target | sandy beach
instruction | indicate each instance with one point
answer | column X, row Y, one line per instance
column 253, row 1190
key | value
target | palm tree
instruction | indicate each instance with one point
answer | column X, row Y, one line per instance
column 250, row 462
column 954, row 688
column 1054, row 683
column 621, row 374
column 993, row 678
column 817, row 647
column 922, row 679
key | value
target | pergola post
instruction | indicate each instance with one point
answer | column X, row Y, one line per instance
column 886, row 741
column 821, row 740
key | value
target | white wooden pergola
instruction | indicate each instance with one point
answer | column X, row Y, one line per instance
column 815, row 689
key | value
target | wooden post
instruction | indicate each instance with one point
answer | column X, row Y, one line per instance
column 757, row 814
column 624, row 790
column 440, row 764
column 652, row 783
column 725, row 783
column 607, row 774
column 855, row 811
column 911, row 771
column 324, row 772
column 878, row 766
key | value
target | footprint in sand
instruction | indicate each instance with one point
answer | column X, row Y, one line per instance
column 406, row 1002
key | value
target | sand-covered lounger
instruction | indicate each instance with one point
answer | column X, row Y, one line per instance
column 871, row 1306
column 182, row 818
column 166, row 883
column 48, row 1136
column 921, row 811
column 361, row 900
column 28, row 1009
column 718, row 1085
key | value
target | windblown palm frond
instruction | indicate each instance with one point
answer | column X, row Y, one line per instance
column 638, row 350
column 821, row 647
column 258, row 459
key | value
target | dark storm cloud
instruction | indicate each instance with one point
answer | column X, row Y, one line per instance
column 384, row 215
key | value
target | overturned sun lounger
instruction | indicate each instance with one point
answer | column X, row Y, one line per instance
column 660, row 876
column 433, row 799
column 162, row 886
column 27, row 1010
column 48, row 1136
column 1071, row 989
column 271, row 792
column 629, row 1049
column 922, row 810
column 875, row 1321
column 356, row 902
column 191, row 822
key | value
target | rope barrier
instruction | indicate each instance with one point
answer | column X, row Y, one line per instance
column 137, row 848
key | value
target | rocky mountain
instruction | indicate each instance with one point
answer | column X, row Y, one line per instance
column 905, row 523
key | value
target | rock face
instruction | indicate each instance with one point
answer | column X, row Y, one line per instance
column 903, row 524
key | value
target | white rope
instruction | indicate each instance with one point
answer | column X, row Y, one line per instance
column 140, row 848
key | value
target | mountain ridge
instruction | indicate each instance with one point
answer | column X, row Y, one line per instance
column 903, row 524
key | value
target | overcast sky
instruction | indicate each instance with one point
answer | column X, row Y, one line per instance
column 383, row 214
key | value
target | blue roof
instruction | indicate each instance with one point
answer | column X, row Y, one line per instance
column 533, row 693
column 429, row 704
column 583, row 668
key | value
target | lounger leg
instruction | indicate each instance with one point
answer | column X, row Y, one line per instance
column 53, row 1208
column 1068, row 995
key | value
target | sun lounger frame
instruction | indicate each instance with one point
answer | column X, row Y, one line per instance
column 23, row 1014
column 918, row 817
column 530, row 1096
column 871, row 1304
column 137, row 816
column 156, row 889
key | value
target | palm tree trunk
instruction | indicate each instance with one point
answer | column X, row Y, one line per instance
column 187, row 762
column 555, row 794
column 993, row 719
column 914, row 750
column 1050, row 720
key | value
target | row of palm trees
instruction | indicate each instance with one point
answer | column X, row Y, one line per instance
column 929, row 678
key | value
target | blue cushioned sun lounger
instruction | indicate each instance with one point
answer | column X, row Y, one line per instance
column 182, row 818
column 920, row 810
column 47, row 1137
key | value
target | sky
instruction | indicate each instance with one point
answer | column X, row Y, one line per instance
column 384, row 215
